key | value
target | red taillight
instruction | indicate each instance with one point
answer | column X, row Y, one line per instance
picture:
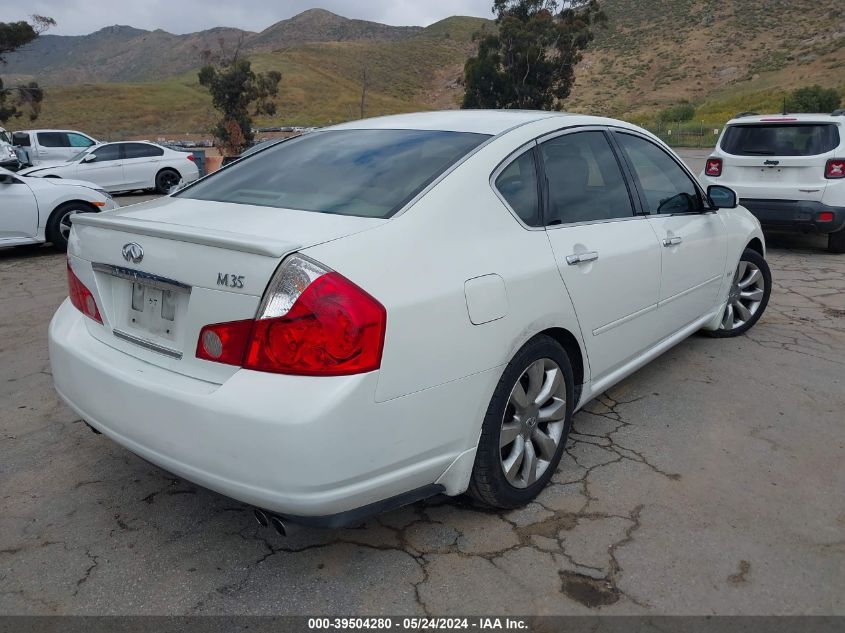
column 81, row 297
column 191, row 158
column 835, row 169
column 224, row 342
column 714, row 167
column 332, row 328
column 826, row 216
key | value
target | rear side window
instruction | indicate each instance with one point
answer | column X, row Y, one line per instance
column 585, row 181
column 142, row 150
column 367, row 173
column 52, row 139
column 799, row 139
column 518, row 185
column 20, row 139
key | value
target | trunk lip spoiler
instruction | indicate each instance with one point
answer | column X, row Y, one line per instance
column 242, row 242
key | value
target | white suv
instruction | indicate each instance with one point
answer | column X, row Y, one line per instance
column 788, row 170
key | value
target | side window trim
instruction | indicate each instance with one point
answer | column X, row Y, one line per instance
column 636, row 180
column 633, row 192
column 515, row 155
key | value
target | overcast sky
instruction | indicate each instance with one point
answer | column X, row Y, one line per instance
column 78, row 17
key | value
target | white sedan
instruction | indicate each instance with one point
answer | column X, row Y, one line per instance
column 125, row 166
column 393, row 308
column 34, row 210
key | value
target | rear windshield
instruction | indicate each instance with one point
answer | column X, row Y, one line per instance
column 798, row 139
column 369, row 173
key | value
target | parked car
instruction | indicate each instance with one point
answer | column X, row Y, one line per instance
column 8, row 156
column 33, row 210
column 125, row 166
column 788, row 170
column 44, row 146
column 392, row 308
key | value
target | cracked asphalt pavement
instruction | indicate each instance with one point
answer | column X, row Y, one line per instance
column 709, row 482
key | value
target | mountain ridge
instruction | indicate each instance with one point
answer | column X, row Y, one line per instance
column 123, row 53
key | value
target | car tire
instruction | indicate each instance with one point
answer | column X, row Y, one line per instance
column 748, row 296
column 166, row 179
column 836, row 241
column 58, row 226
column 522, row 425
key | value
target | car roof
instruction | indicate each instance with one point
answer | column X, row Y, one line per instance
column 475, row 121
column 54, row 130
column 787, row 118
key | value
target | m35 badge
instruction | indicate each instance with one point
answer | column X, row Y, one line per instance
column 230, row 280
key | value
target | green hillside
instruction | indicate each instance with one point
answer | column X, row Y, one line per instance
column 721, row 55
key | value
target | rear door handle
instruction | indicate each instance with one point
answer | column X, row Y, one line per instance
column 672, row 241
column 580, row 258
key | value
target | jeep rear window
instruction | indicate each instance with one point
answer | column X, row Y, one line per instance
column 368, row 173
column 795, row 139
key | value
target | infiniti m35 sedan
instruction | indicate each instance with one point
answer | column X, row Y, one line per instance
column 393, row 308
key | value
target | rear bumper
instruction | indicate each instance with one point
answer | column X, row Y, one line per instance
column 795, row 215
column 305, row 448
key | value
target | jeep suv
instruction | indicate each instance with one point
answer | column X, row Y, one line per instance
column 788, row 170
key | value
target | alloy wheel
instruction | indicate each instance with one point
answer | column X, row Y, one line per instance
column 745, row 297
column 533, row 423
column 65, row 223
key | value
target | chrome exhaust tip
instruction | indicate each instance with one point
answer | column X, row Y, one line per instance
column 261, row 517
column 279, row 526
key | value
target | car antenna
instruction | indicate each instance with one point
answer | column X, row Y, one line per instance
column 784, row 106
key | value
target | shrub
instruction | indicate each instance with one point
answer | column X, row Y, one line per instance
column 814, row 99
column 680, row 112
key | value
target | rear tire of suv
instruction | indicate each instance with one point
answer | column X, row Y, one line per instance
column 748, row 296
column 836, row 241
column 526, row 426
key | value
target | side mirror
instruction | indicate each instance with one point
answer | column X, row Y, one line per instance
column 89, row 158
column 8, row 179
column 722, row 197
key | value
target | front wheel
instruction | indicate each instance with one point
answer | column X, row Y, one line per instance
column 748, row 296
column 526, row 426
column 59, row 225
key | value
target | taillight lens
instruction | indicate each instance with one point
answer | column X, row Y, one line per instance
column 313, row 322
column 825, row 216
column 224, row 342
column 714, row 167
column 81, row 297
column 191, row 158
column 835, row 169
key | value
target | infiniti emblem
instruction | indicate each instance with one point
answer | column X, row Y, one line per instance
column 133, row 252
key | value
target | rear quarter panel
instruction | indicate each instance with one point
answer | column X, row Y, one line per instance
column 417, row 266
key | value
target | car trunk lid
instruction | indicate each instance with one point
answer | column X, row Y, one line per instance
column 161, row 271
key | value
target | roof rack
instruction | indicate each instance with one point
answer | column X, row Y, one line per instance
column 840, row 112
column 745, row 114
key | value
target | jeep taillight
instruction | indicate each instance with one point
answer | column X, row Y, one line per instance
column 714, row 167
column 835, row 169
column 81, row 297
column 312, row 322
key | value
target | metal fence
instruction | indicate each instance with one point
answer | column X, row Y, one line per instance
column 686, row 134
